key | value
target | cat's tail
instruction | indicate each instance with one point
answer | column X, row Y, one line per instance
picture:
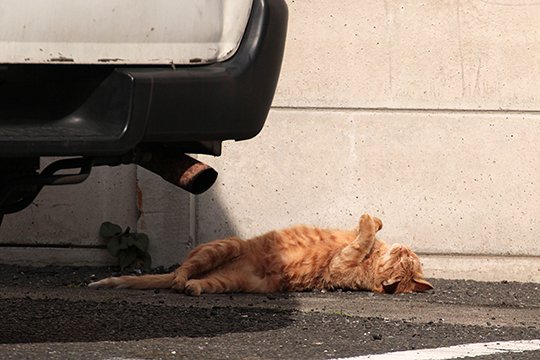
column 162, row 281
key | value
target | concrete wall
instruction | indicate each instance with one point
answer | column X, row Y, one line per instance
column 61, row 226
column 423, row 113
column 426, row 114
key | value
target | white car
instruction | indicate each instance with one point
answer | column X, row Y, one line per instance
column 109, row 82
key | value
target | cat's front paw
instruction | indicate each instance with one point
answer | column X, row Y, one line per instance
column 369, row 224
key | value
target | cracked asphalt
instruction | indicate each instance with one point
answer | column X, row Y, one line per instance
column 49, row 313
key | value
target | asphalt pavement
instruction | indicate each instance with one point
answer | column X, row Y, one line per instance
column 49, row 313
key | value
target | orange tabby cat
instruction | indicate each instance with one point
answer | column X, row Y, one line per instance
column 296, row 259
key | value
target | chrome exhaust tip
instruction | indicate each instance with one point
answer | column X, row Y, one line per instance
column 182, row 171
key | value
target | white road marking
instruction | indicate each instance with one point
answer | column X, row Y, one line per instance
column 458, row 351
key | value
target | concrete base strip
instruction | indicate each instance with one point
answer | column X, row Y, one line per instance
column 458, row 351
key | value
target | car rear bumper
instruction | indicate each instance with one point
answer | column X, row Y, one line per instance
column 121, row 108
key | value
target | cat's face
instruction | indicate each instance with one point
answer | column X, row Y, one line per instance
column 400, row 271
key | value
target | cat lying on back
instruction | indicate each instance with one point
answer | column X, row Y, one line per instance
column 296, row 259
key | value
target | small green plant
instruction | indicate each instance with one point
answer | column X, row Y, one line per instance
column 131, row 248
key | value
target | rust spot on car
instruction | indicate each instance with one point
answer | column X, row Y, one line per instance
column 62, row 59
column 110, row 60
column 195, row 60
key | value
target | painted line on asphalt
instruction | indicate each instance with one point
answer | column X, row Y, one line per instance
column 458, row 351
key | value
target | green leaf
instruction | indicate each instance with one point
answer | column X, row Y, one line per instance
column 126, row 241
column 127, row 257
column 108, row 230
column 131, row 249
column 141, row 241
column 113, row 246
column 126, row 232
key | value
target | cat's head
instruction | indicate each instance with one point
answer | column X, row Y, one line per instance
column 400, row 271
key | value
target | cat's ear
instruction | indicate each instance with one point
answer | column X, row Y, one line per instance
column 390, row 286
column 421, row 285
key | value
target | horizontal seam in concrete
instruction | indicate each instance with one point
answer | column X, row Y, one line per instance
column 409, row 110
column 469, row 255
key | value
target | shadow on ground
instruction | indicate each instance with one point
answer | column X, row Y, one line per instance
column 52, row 304
column 54, row 320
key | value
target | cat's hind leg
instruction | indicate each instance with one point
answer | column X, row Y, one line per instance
column 212, row 285
column 207, row 257
column 367, row 229
column 361, row 246
column 233, row 279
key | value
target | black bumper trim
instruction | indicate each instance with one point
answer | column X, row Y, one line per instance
column 146, row 105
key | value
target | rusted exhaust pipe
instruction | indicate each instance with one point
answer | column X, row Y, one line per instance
column 182, row 171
